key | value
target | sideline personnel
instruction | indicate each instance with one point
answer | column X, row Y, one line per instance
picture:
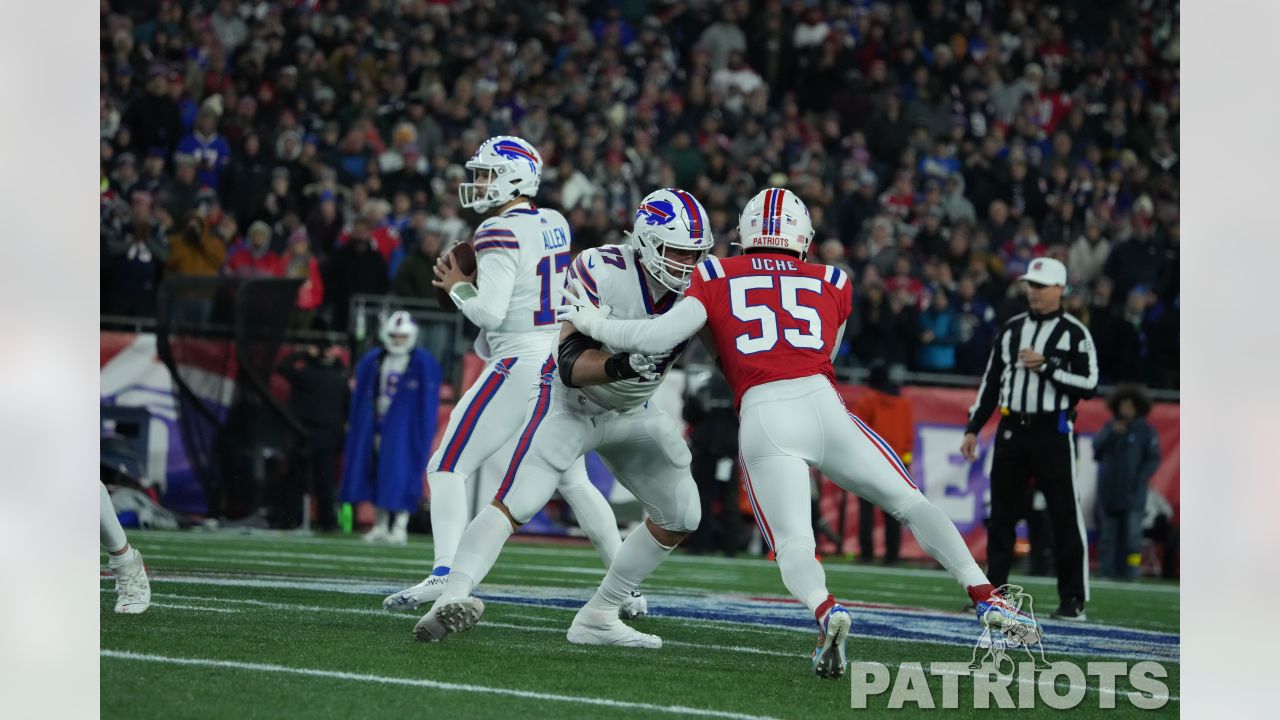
column 1042, row 364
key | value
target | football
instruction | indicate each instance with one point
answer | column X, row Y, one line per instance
column 464, row 256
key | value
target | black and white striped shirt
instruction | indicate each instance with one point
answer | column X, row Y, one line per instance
column 1069, row 374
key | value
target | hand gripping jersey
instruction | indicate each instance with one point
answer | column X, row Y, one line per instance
column 773, row 317
column 612, row 275
column 521, row 259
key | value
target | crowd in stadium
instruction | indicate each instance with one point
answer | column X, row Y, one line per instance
column 940, row 147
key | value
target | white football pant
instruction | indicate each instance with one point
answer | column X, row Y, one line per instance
column 789, row 426
column 486, row 421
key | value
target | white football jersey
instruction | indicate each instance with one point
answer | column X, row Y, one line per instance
column 526, row 249
column 612, row 275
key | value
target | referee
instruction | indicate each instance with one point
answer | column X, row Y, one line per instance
column 1042, row 363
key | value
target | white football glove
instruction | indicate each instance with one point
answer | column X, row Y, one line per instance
column 646, row 366
column 585, row 315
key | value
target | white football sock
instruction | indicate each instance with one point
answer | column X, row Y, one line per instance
column 448, row 514
column 803, row 575
column 400, row 523
column 938, row 536
column 596, row 518
column 478, row 550
column 639, row 556
column 118, row 561
column 379, row 519
column 110, row 534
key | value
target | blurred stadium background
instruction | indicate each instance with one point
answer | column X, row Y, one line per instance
column 278, row 176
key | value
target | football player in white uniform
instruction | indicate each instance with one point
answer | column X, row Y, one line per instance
column 522, row 254
column 591, row 398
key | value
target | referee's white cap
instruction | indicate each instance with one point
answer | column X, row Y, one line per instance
column 1046, row 271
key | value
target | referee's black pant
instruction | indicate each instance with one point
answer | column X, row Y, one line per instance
column 1037, row 447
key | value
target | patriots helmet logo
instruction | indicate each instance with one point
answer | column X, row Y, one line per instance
column 656, row 212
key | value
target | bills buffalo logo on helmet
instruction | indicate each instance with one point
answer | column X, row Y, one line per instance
column 515, row 151
column 658, row 212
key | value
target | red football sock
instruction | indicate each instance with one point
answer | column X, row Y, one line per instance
column 981, row 593
column 824, row 608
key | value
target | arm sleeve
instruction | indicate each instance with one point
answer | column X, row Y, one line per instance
column 989, row 391
column 495, row 281
column 1080, row 378
column 658, row 334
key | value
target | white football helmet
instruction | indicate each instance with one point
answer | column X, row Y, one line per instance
column 399, row 334
column 776, row 219
column 504, row 168
column 671, row 218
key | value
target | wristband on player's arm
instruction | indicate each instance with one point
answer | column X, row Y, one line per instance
column 570, row 349
column 462, row 292
column 619, row 367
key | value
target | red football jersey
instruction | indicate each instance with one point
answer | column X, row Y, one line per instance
column 773, row 317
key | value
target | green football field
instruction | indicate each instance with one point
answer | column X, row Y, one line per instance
column 282, row 626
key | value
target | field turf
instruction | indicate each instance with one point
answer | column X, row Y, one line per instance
column 281, row 626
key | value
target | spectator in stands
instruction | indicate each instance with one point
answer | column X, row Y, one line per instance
column 357, row 268
column 194, row 249
column 1129, row 341
column 887, row 329
column 255, row 259
column 152, row 118
column 135, row 252
column 178, row 195
column 415, row 273
column 1128, row 452
column 299, row 262
column 211, row 150
column 246, row 180
column 1089, row 253
column 828, row 99
column 976, row 321
column 939, row 335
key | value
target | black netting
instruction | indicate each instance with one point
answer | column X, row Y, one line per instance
column 219, row 338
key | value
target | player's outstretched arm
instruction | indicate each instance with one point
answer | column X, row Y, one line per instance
column 582, row 362
column 654, row 335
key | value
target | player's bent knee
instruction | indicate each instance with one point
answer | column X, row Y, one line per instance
column 898, row 506
column 667, row 537
column 502, row 507
column 795, row 544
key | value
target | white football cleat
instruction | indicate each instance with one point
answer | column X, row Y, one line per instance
column 398, row 537
column 133, row 589
column 445, row 619
column 829, row 660
column 412, row 598
column 597, row 627
column 634, row 607
column 377, row 534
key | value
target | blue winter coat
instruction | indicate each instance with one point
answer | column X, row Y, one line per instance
column 394, row 482
column 1126, row 462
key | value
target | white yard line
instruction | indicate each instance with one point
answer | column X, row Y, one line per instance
column 199, row 608
column 426, row 684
